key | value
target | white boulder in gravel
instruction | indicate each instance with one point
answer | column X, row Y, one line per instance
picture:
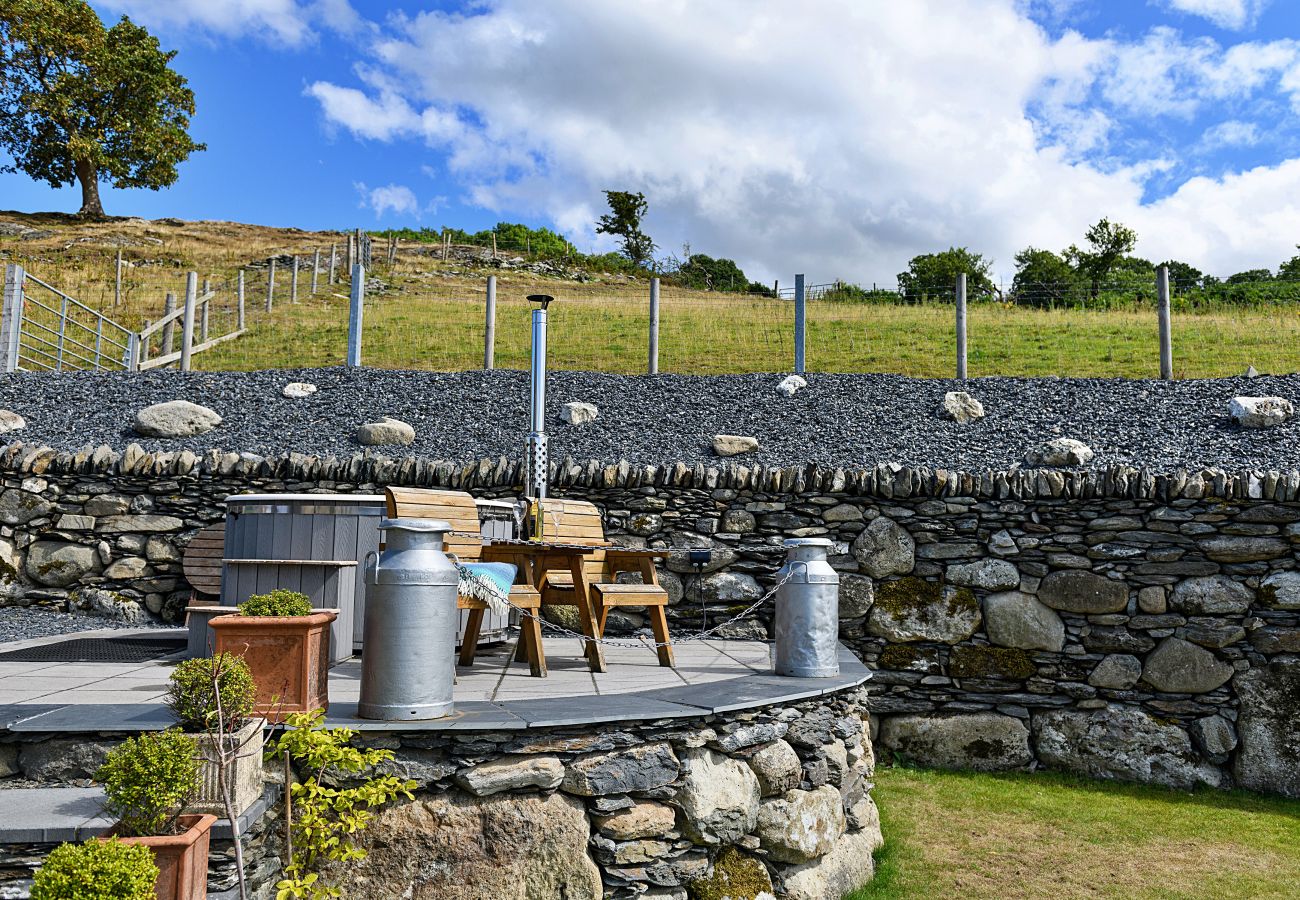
column 577, row 413
column 960, row 407
column 791, row 384
column 1060, row 452
column 296, row 390
column 11, row 421
column 733, row 444
column 1260, row 412
column 175, row 419
column 387, row 431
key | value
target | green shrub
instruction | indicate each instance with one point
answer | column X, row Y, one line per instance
column 198, row 684
column 277, row 603
column 325, row 816
column 148, row 780
column 97, row 870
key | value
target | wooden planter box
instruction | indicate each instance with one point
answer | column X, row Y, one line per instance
column 287, row 655
column 182, row 859
column 246, row 780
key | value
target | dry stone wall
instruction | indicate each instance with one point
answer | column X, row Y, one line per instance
column 741, row 805
column 1116, row 623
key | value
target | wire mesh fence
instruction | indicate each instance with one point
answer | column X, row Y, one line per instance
column 424, row 308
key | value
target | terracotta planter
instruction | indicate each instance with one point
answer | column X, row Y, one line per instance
column 246, row 781
column 182, row 859
column 288, row 656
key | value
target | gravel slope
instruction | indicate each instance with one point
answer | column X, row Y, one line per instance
column 837, row 419
column 18, row 623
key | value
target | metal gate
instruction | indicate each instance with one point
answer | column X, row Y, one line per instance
column 42, row 329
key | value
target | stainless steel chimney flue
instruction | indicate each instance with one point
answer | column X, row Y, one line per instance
column 535, row 472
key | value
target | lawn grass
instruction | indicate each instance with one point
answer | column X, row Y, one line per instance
column 427, row 313
column 1047, row 835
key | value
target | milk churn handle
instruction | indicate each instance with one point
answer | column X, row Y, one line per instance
column 373, row 554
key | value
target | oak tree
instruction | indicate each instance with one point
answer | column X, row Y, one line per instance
column 83, row 103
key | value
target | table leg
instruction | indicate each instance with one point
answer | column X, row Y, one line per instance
column 582, row 596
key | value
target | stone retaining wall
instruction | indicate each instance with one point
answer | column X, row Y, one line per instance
column 1116, row 623
column 776, row 798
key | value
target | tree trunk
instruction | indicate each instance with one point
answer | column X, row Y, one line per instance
column 91, row 208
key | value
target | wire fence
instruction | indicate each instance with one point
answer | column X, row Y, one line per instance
column 425, row 308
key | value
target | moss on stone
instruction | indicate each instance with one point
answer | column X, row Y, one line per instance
column 1267, row 595
column 735, row 876
column 8, row 574
column 898, row 656
column 989, row 662
column 904, row 595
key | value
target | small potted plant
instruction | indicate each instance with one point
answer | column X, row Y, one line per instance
column 286, row 645
column 148, row 780
column 214, row 698
column 96, row 870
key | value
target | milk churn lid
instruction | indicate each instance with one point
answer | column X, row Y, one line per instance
column 426, row 525
column 808, row 542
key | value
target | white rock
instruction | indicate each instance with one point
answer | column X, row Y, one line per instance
column 990, row 574
column 1061, row 452
column 791, row 384
column 1286, row 589
column 11, row 421
column 577, row 413
column 299, row 389
column 718, row 798
column 960, row 407
column 174, row 419
column 1260, row 412
column 733, row 444
column 384, row 432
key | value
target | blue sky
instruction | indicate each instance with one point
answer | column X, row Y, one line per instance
column 836, row 137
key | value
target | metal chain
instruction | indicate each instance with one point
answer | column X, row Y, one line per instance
column 641, row 641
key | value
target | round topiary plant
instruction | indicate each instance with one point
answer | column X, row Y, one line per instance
column 148, row 780
column 215, row 694
column 97, row 870
column 277, row 603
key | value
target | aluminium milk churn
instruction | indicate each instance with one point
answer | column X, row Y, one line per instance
column 409, row 640
column 807, row 612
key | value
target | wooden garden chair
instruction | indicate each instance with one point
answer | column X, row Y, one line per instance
column 594, row 587
column 458, row 508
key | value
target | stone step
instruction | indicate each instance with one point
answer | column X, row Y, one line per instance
column 52, row 815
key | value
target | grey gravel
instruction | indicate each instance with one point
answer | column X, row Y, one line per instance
column 19, row 623
column 844, row 420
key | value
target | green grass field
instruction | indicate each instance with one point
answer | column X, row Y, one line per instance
column 1046, row 835
column 711, row 334
column 428, row 314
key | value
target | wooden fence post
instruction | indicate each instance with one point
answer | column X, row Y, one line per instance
column 187, row 319
column 293, row 282
column 315, row 271
column 653, row 366
column 169, row 330
column 799, row 325
column 239, row 300
column 961, row 326
column 354, row 314
column 270, row 285
column 350, row 259
column 117, row 280
column 1166, row 336
column 334, row 261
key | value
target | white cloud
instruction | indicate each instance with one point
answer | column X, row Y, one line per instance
column 395, row 198
column 290, row 22
column 838, row 139
column 1232, row 133
column 1232, row 14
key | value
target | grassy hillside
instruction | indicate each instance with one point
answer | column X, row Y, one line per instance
column 427, row 312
